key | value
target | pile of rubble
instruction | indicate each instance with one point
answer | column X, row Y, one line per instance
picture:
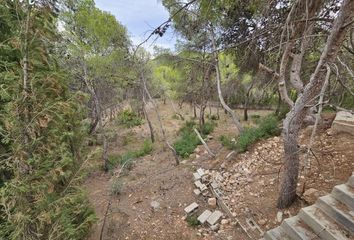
column 207, row 187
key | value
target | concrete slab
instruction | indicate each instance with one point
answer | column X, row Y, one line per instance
column 344, row 194
column 344, row 122
column 196, row 176
column 197, row 192
column 198, row 184
column 214, row 217
column 204, row 216
column 201, row 172
column 297, row 230
column 191, row 207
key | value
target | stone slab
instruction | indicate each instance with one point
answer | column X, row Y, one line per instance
column 198, row 184
column 214, row 185
column 191, row 207
column 197, row 192
column 214, row 217
column 196, row 176
column 344, row 122
column 204, row 216
column 201, row 172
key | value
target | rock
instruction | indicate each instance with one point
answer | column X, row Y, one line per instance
column 262, row 222
column 344, row 122
column 197, row 192
column 197, row 150
column 224, row 222
column 279, row 216
column 311, row 195
column 215, row 227
column 212, row 202
column 155, row 205
column 197, row 156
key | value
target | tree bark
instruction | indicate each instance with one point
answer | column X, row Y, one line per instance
column 218, row 79
column 159, row 120
column 98, row 113
column 295, row 117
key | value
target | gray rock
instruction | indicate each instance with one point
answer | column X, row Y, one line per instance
column 155, row 205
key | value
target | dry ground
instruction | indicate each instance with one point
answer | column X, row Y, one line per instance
column 250, row 193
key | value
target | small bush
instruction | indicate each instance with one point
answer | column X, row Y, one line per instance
column 186, row 145
column 116, row 186
column 188, row 141
column 147, row 149
column 207, row 128
column 127, row 158
column 213, row 117
column 192, row 221
column 268, row 127
column 129, row 119
column 229, row 143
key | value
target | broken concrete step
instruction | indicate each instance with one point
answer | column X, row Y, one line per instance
column 196, row 176
column 345, row 194
column 214, row 217
column 191, row 208
column 196, row 192
column 351, row 181
column 201, row 172
column 321, row 224
column 297, row 229
column 200, row 185
column 204, row 216
column 276, row 234
column 337, row 211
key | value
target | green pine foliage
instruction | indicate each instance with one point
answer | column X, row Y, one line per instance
column 129, row 119
column 42, row 135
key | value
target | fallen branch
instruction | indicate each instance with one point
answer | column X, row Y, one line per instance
column 204, row 143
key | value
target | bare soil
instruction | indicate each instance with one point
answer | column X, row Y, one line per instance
column 251, row 181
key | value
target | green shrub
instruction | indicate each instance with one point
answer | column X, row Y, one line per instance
column 213, row 117
column 127, row 158
column 129, row 119
column 147, row 148
column 268, row 127
column 188, row 140
column 228, row 142
column 207, row 128
column 186, row 144
column 116, row 186
column 192, row 221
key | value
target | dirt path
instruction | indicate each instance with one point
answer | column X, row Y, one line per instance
column 155, row 180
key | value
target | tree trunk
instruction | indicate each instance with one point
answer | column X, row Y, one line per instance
column 152, row 137
column 159, row 120
column 202, row 115
column 218, row 79
column 295, row 117
column 98, row 113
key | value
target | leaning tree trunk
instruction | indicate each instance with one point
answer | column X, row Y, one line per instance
column 159, row 120
column 295, row 117
column 218, row 79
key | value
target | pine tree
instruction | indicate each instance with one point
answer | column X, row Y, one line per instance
column 41, row 131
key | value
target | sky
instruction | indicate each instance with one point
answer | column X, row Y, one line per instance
column 140, row 17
